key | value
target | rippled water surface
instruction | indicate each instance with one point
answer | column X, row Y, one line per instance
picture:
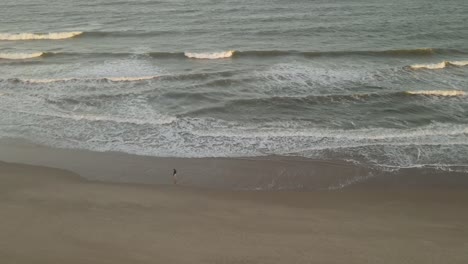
column 379, row 82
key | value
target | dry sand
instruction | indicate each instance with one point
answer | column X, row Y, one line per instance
column 54, row 216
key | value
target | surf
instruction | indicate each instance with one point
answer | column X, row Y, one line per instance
column 20, row 56
column 210, row 55
column 438, row 92
column 267, row 54
column 440, row 65
column 159, row 120
column 39, row 36
column 129, row 79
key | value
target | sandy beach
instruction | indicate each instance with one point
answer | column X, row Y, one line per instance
column 302, row 132
column 249, row 173
column 55, row 216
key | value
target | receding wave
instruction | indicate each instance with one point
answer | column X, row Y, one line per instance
column 38, row 36
column 20, row 56
column 111, row 79
column 440, row 65
column 438, row 92
column 210, row 55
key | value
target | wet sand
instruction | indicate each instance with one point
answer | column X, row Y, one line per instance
column 55, row 216
column 253, row 173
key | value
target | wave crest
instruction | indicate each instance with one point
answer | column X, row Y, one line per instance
column 271, row 53
column 440, row 65
column 438, row 92
column 36, row 36
column 20, row 56
column 210, row 55
column 459, row 63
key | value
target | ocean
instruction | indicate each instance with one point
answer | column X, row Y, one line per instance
column 378, row 83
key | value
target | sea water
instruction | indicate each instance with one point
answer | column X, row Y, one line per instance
column 382, row 83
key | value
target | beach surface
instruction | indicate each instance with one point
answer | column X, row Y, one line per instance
column 55, row 216
column 301, row 132
column 269, row 173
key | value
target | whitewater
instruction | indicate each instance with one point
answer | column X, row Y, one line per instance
column 38, row 36
column 376, row 84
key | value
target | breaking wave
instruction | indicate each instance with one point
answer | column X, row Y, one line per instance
column 271, row 54
column 20, row 56
column 38, row 36
column 459, row 63
column 307, row 54
column 211, row 55
column 440, row 65
column 438, row 92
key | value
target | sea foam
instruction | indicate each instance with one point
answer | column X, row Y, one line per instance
column 154, row 120
column 38, row 36
column 438, row 92
column 210, row 55
column 440, row 65
column 459, row 63
column 111, row 79
column 130, row 79
column 20, row 56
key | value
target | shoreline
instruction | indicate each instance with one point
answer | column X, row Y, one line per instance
column 280, row 173
column 53, row 215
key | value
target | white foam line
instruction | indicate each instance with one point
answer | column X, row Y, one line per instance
column 210, row 55
column 112, row 79
column 432, row 66
column 20, row 56
column 129, row 79
column 438, row 92
column 459, row 63
column 47, row 80
column 357, row 134
column 162, row 120
column 440, row 65
column 38, row 36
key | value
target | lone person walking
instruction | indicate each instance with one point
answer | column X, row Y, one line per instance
column 174, row 176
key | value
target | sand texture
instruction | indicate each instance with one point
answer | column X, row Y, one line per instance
column 54, row 216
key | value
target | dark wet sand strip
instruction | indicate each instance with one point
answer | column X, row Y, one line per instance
column 262, row 173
